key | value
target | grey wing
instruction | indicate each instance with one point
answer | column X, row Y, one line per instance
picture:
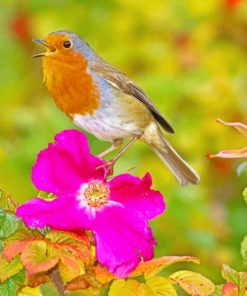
column 121, row 81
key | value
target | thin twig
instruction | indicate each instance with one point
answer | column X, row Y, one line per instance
column 57, row 281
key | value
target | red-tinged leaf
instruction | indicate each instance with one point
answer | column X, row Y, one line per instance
column 229, row 289
column 239, row 126
column 70, row 267
column 193, row 283
column 237, row 153
column 80, row 283
column 103, row 275
column 8, row 269
column 36, row 257
column 18, row 242
column 73, row 242
column 154, row 266
column 37, row 279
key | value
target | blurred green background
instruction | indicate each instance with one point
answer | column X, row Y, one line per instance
column 191, row 58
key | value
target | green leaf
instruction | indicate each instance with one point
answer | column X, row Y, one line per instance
column 193, row 283
column 8, row 288
column 230, row 275
column 245, row 194
column 152, row 267
column 1, row 246
column 6, row 203
column 161, row 286
column 37, row 258
column 124, row 288
column 9, row 268
column 218, row 290
column 243, row 250
column 20, row 277
column 9, row 223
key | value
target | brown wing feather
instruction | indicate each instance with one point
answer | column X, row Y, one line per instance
column 121, row 81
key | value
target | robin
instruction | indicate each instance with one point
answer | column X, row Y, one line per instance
column 105, row 102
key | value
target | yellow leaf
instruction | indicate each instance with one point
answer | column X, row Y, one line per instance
column 161, row 286
column 9, row 268
column 193, row 283
column 152, row 267
column 124, row 288
column 27, row 291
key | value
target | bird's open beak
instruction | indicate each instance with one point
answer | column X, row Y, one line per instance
column 51, row 48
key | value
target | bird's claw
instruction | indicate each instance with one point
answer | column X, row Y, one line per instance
column 108, row 165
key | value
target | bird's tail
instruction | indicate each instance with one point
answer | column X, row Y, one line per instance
column 183, row 172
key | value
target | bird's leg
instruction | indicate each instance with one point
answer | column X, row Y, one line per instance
column 115, row 144
column 110, row 163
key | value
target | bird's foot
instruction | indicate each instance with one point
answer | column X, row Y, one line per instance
column 108, row 166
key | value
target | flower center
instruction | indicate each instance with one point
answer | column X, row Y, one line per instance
column 96, row 193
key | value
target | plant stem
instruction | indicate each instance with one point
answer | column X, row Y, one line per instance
column 57, row 280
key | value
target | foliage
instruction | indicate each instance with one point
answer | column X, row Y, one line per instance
column 30, row 257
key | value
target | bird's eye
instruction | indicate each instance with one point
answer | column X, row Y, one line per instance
column 67, row 44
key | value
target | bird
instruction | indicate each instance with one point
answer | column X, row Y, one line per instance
column 103, row 101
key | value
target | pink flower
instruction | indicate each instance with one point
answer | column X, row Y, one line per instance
column 242, row 128
column 116, row 211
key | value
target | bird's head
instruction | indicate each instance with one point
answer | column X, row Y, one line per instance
column 64, row 46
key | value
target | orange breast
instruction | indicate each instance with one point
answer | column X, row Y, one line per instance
column 71, row 86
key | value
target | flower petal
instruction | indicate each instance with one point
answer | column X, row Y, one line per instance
column 62, row 213
column 122, row 239
column 230, row 153
column 242, row 128
column 136, row 195
column 64, row 166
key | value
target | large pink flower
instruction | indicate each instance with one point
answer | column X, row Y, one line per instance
column 116, row 211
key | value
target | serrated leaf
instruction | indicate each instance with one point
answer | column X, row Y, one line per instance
column 36, row 258
column 8, row 288
column 17, row 242
column 20, row 277
column 144, row 290
column 161, row 286
column 77, row 244
column 37, row 279
column 193, row 283
column 229, row 289
column 152, row 267
column 78, row 283
column 70, row 267
column 6, row 202
column 230, row 275
column 9, row 223
column 9, row 268
column 124, row 288
column 243, row 250
column 103, row 275
column 27, row 291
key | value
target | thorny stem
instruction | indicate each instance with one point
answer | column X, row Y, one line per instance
column 57, row 281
